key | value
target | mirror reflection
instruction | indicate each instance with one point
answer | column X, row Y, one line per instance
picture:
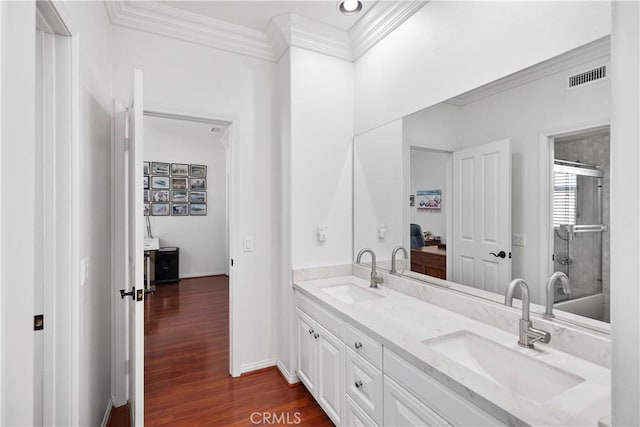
column 509, row 180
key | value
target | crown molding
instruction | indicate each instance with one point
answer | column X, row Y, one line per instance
column 283, row 31
column 598, row 49
column 298, row 31
column 172, row 22
column 379, row 22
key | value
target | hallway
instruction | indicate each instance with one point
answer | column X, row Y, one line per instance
column 187, row 378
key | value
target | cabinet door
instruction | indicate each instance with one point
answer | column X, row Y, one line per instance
column 307, row 352
column 329, row 384
column 354, row 416
column 402, row 409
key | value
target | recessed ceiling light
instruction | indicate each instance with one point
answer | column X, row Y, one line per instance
column 350, row 7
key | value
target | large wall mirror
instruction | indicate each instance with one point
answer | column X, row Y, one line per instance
column 508, row 180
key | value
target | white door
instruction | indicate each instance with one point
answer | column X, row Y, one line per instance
column 482, row 216
column 135, row 238
column 306, row 352
column 403, row 409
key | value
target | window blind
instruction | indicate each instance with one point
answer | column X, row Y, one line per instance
column 565, row 188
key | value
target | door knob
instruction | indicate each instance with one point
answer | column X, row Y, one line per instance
column 501, row 254
column 128, row 294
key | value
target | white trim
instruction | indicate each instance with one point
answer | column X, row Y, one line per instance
column 205, row 274
column 589, row 52
column 291, row 378
column 107, row 414
column 74, row 220
column 379, row 21
column 2, row 402
column 254, row 366
column 157, row 18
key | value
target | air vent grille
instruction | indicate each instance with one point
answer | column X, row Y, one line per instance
column 588, row 76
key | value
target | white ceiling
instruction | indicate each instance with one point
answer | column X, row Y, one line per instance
column 198, row 134
column 256, row 14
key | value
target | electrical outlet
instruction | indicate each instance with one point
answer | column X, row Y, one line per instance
column 322, row 233
column 519, row 239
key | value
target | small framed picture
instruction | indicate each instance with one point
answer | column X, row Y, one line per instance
column 179, row 196
column 145, row 168
column 146, row 196
column 198, row 209
column 145, row 181
column 198, row 171
column 179, row 169
column 179, row 209
column 160, row 196
column 198, row 197
column 146, row 209
column 160, row 209
column 159, row 168
column 178, row 183
column 160, row 182
column 197, row 184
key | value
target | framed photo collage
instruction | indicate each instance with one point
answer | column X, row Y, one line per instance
column 175, row 189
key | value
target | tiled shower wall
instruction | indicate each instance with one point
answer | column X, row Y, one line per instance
column 585, row 250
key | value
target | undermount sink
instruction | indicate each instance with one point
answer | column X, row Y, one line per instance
column 515, row 371
column 350, row 293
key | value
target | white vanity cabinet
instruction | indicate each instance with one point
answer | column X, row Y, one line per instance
column 320, row 365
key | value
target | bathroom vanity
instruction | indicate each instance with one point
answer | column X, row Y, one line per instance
column 379, row 357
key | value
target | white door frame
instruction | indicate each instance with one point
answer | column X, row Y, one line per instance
column 545, row 191
column 120, row 350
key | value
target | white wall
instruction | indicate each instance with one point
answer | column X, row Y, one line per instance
column 18, row 206
column 447, row 48
column 428, row 170
column 201, row 239
column 378, row 183
column 519, row 114
column 91, row 22
column 321, row 135
column 625, row 215
column 192, row 78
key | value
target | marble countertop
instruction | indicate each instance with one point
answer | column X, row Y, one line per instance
column 401, row 323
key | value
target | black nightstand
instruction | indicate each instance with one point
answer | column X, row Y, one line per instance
column 167, row 265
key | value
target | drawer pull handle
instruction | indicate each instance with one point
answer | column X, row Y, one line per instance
column 316, row 335
column 358, row 345
column 358, row 384
column 310, row 331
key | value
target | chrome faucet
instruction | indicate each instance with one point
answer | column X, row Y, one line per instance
column 375, row 279
column 564, row 280
column 528, row 334
column 393, row 258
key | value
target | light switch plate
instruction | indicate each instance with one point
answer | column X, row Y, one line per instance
column 84, row 271
column 248, row 244
column 519, row 239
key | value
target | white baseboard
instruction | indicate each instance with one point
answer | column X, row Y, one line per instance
column 107, row 413
column 249, row 367
column 210, row 273
column 291, row 378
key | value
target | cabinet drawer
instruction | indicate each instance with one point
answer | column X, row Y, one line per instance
column 363, row 345
column 364, row 385
column 450, row 405
column 354, row 416
column 403, row 409
column 332, row 323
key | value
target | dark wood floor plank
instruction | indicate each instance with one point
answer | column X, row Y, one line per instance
column 187, row 380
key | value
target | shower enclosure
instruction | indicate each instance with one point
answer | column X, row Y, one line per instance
column 579, row 227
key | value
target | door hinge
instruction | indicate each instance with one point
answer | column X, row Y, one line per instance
column 38, row 322
column 553, row 257
column 231, row 262
column 139, row 294
column 509, row 255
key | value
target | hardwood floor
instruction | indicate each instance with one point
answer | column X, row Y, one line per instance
column 187, row 378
